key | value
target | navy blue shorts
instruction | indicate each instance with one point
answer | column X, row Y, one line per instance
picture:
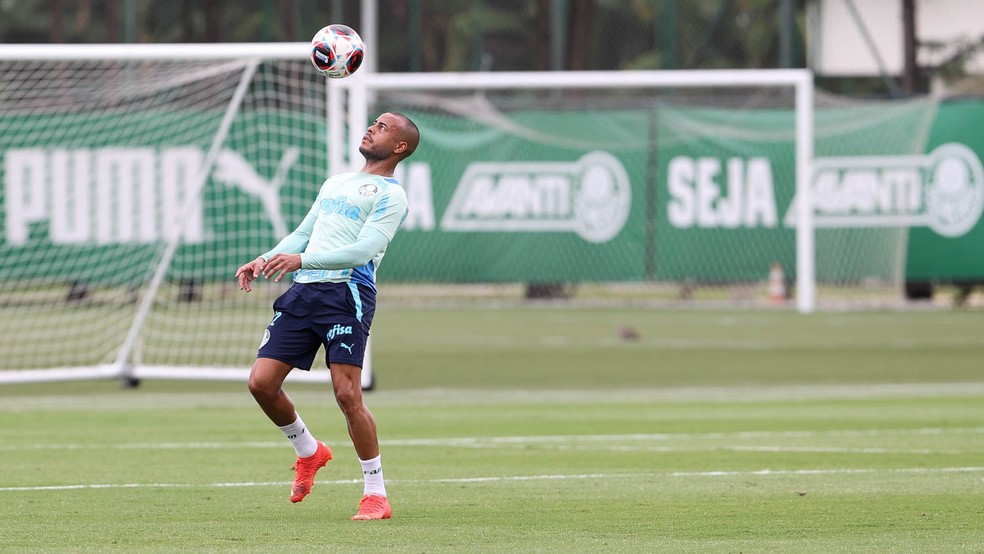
column 309, row 315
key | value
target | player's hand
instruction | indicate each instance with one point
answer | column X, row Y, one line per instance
column 281, row 265
column 248, row 272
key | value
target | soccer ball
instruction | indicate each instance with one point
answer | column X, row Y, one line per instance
column 337, row 51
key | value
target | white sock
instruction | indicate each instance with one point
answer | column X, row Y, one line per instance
column 372, row 472
column 304, row 443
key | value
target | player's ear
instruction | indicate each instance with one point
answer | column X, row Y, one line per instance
column 400, row 147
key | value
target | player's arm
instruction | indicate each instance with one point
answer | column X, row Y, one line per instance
column 297, row 241
column 369, row 243
column 293, row 243
column 387, row 214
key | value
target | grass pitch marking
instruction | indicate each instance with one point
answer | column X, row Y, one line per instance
column 513, row 478
column 583, row 442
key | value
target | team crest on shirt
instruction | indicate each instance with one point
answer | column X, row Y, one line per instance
column 368, row 190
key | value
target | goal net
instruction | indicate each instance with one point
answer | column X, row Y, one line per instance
column 868, row 190
column 136, row 179
column 667, row 187
column 670, row 188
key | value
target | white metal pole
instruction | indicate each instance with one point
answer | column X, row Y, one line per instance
column 335, row 98
column 358, row 112
column 145, row 52
column 577, row 79
column 805, row 233
column 370, row 34
column 358, row 117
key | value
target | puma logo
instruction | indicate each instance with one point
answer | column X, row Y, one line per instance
column 233, row 170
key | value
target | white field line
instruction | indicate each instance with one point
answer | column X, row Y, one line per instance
column 563, row 440
column 683, row 343
column 527, row 446
column 430, row 396
column 515, row 478
column 744, row 448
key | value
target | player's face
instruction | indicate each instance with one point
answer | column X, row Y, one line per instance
column 381, row 138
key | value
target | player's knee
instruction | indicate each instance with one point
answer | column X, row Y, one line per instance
column 266, row 378
column 347, row 383
column 349, row 399
column 261, row 391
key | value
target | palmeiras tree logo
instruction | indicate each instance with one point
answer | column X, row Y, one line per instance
column 955, row 190
column 943, row 190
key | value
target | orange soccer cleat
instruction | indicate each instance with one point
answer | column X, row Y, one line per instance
column 306, row 468
column 373, row 506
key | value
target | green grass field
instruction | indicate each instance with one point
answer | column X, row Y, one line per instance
column 540, row 429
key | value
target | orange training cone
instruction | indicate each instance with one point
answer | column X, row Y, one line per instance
column 777, row 284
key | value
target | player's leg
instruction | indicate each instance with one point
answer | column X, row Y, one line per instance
column 347, row 383
column 346, row 379
column 266, row 381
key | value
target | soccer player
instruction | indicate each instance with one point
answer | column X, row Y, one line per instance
column 334, row 253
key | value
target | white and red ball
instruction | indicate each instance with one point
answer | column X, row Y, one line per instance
column 337, row 51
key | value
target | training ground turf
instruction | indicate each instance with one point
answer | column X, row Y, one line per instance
column 539, row 429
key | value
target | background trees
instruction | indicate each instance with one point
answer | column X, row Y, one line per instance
column 445, row 35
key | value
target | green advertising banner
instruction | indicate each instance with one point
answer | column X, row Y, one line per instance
column 665, row 193
column 726, row 181
column 100, row 207
column 550, row 203
column 958, row 195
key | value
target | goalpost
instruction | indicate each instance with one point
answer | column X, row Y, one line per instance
column 523, row 109
column 722, row 188
column 137, row 178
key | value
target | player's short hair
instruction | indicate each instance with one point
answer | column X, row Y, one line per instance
column 411, row 134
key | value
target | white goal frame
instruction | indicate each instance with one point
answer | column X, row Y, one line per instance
column 122, row 368
column 348, row 102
